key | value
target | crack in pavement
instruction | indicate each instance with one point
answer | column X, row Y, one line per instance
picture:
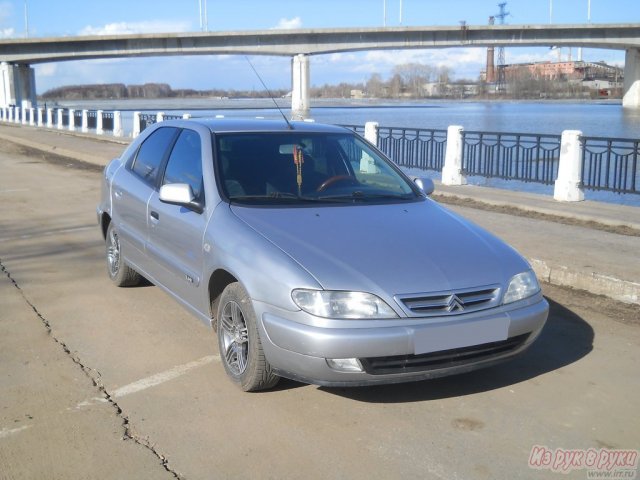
column 94, row 376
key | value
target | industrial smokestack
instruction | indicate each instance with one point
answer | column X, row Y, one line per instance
column 491, row 68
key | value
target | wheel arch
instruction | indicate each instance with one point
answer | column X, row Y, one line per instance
column 105, row 220
column 218, row 281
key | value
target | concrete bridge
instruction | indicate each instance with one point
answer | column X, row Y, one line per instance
column 17, row 79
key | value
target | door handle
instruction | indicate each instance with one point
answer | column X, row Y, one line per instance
column 154, row 215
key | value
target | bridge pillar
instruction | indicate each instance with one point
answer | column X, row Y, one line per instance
column 631, row 98
column 300, row 87
column 17, row 86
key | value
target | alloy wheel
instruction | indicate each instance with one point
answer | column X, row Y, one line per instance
column 235, row 338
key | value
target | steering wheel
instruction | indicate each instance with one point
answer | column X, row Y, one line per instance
column 337, row 179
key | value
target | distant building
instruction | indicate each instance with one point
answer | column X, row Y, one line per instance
column 456, row 90
column 570, row 70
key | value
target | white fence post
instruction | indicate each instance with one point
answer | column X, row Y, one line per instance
column 59, row 112
column 72, row 119
column 85, row 121
column 371, row 132
column 40, row 116
column 186, row 116
column 99, row 130
column 136, row 125
column 49, row 117
column 568, row 186
column 117, row 124
column 159, row 117
column 32, row 117
column 10, row 114
column 23, row 110
column 452, row 169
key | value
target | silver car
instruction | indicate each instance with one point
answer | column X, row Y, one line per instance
column 312, row 255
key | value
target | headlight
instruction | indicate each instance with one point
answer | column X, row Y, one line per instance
column 521, row 286
column 336, row 304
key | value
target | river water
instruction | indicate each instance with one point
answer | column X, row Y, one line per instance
column 602, row 119
column 596, row 118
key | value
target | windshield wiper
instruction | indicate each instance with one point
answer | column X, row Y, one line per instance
column 362, row 196
column 274, row 196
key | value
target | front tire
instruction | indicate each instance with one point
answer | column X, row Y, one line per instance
column 239, row 341
column 121, row 274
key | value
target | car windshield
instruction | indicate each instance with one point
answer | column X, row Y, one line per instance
column 301, row 168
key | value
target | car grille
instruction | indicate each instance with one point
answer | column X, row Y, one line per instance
column 443, row 359
column 450, row 303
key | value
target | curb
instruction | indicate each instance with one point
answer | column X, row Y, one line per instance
column 596, row 283
column 544, row 211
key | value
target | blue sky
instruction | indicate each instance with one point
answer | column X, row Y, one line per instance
column 76, row 17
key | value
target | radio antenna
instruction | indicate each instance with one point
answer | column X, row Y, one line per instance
column 269, row 92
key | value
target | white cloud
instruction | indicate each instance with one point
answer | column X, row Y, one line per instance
column 150, row 26
column 47, row 69
column 465, row 62
column 288, row 24
column 7, row 32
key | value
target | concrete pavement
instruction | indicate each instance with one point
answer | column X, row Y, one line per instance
column 105, row 382
column 593, row 246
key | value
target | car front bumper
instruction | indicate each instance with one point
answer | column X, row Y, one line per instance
column 399, row 350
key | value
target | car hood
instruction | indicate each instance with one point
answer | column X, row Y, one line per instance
column 387, row 249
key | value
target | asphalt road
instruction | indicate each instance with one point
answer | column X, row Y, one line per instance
column 101, row 382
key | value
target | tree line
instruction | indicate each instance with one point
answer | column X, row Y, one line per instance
column 406, row 80
column 409, row 80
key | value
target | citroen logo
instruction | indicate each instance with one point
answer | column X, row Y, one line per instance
column 454, row 304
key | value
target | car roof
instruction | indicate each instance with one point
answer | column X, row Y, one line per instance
column 229, row 125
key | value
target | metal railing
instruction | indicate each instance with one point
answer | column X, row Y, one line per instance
column 147, row 120
column 410, row 147
column 511, row 156
column 173, row 117
column 414, row 148
column 359, row 129
column 65, row 117
column 107, row 121
column 611, row 164
column 77, row 117
column 92, row 119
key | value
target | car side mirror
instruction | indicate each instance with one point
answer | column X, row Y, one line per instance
column 180, row 194
column 424, row 184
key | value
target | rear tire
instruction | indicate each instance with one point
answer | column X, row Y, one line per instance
column 239, row 341
column 121, row 274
